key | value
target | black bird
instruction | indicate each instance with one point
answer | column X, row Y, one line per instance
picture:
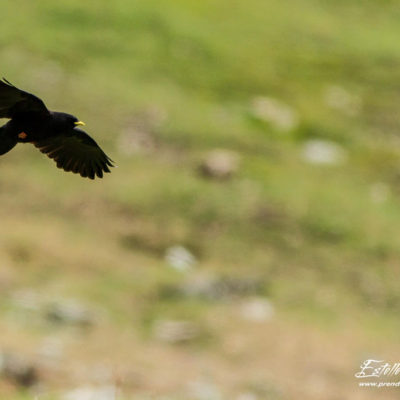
column 53, row 133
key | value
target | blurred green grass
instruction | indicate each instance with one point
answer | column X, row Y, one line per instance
column 304, row 229
column 108, row 62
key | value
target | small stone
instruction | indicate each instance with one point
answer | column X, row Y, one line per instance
column 179, row 258
column 323, row 152
column 71, row 312
column 275, row 112
column 257, row 310
column 173, row 331
column 18, row 369
column 247, row 396
column 222, row 288
column 204, row 390
column 201, row 286
column 220, row 164
column 92, row 393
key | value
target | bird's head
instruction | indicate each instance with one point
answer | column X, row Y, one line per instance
column 68, row 120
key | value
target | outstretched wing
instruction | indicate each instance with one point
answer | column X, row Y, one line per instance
column 76, row 151
column 15, row 102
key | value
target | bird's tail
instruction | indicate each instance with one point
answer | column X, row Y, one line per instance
column 7, row 142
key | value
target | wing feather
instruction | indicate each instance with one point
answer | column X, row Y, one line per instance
column 16, row 102
column 76, row 151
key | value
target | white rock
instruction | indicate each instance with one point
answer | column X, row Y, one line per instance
column 247, row 396
column 91, row 393
column 19, row 369
column 179, row 258
column 220, row 164
column 323, row 152
column 273, row 111
column 71, row 311
column 171, row 331
column 204, row 390
column 257, row 310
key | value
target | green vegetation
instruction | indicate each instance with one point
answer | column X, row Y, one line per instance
column 320, row 239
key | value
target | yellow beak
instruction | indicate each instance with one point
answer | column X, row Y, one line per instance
column 77, row 123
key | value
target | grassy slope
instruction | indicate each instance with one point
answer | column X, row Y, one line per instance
column 203, row 63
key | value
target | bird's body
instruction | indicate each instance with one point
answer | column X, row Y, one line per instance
column 54, row 133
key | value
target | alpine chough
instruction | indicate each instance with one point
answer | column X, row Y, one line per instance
column 53, row 133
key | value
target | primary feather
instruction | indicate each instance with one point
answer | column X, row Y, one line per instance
column 76, row 151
